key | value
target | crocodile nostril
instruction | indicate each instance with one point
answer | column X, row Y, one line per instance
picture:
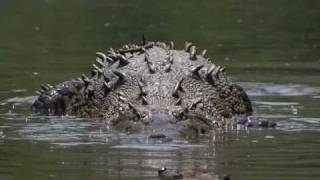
column 157, row 136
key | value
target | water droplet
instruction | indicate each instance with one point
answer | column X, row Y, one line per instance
column 106, row 25
column 269, row 137
column 239, row 21
column 37, row 28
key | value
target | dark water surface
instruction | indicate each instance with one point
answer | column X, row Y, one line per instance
column 272, row 47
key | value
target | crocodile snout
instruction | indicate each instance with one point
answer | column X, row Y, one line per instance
column 160, row 126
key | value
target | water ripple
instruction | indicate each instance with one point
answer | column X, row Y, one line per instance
column 269, row 89
column 17, row 123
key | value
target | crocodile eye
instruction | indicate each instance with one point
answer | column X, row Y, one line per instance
column 175, row 114
column 145, row 117
column 143, row 114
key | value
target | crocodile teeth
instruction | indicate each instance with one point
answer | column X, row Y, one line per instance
column 99, row 70
column 171, row 45
column 177, row 88
column 203, row 53
column 195, row 103
column 142, row 79
column 38, row 93
column 126, row 47
column 107, row 86
column 144, row 100
column 149, row 64
column 121, row 94
column 163, row 45
column 187, row 46
column 100, row 63
column 178, row 102
column 167, row 68
column 195, row 70
column 151, row 68
column 193, row 53
column 109, row 59
column 146, row 57
column 49, row 86
column 44, row 87
column 135, row 110
column 142, row 49
column 216, row 70
column 211, row 69
column 170, row 57
column 111, row 51
column 142, row 90
column 94, row 72
column 209, row 75
column 101, row 56
column 123, row 59
column 123, row 99
column 85, row 79
column 78, row 79
column 120, row 75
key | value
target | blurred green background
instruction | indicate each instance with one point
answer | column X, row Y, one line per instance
column 258, row 41
column 266, row 41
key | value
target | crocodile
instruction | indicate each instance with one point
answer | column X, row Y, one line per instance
column 150, row 84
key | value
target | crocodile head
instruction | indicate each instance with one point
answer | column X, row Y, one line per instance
column 151, row 87
column 161, row 123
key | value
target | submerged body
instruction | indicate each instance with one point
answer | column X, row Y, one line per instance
column 149, row 85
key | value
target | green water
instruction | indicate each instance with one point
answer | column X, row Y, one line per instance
column 272, row 47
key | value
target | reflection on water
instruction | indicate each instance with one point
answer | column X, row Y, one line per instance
column 271, row 47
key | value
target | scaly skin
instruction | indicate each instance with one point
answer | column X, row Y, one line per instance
column 152, row 84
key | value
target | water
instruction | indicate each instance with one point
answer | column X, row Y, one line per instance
column 271, row 47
